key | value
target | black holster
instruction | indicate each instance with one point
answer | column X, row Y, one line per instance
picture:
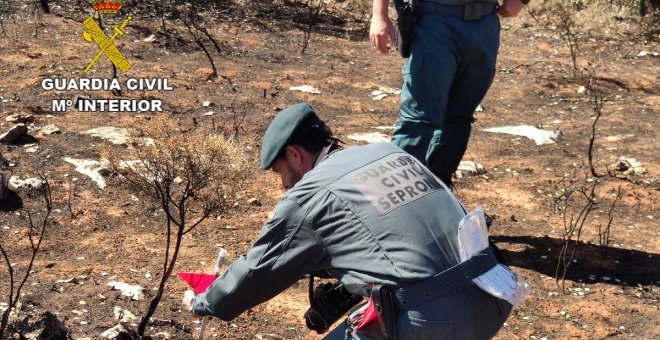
column 383, row 301
column 405, row 23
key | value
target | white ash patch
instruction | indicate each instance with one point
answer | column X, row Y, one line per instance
column 90, row 168
column 115, row 135
column 305, row 88
column 369, row 137
column 539, row 136
column 134, row 292
column 17, row 182
column 469, row 168
column 629, row 166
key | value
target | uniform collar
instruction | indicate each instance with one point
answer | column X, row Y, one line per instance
column 325, row 153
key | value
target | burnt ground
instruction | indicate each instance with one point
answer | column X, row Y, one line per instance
column 100, row 235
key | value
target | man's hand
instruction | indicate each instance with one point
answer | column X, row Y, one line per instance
column 510, row 8
column 187, row 300
column 382, row 32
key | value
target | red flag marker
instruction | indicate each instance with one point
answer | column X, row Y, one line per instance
column 198, row 282
column 368, row 315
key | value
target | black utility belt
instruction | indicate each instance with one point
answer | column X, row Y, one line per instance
column 469, row 12
column 444, row 282
column 387, row 302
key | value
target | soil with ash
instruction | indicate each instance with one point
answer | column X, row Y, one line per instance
column 96, row 235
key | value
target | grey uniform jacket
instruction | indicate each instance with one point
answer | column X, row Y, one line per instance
column 367, row 214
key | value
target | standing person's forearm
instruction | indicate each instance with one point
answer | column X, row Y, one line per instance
column 380, row 8
column 381, row 30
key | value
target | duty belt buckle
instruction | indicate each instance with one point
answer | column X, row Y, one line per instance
column 472, row 11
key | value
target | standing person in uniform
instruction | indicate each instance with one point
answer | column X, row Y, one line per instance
column 450, row 68
column 371, row 217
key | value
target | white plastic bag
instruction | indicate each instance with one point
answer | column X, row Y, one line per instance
column 500, row 281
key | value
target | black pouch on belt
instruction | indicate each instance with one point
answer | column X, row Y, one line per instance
column 384, row 304
column 405, row 23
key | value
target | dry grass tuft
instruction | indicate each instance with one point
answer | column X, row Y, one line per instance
column 209, row 169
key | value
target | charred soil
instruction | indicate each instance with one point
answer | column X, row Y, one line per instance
column 98, row 235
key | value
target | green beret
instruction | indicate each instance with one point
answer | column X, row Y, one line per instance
column 286, row 127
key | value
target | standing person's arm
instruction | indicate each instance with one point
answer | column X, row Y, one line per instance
column 381, row 30
column 509, row 8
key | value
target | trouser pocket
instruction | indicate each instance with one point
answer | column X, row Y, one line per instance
column 419, row 329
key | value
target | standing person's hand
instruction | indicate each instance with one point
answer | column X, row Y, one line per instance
column 510, row 8
column 382, row 32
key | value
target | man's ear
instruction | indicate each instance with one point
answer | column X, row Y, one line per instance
column 293, row 155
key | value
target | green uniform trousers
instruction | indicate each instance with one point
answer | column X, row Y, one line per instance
column 450, row 69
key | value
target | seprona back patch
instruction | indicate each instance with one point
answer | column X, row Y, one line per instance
column 394, row 181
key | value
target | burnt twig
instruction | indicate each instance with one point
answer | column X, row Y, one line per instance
column 573, row 225
column 16, row 284
column 313, row 16
column 596, row 98
column 604, row 233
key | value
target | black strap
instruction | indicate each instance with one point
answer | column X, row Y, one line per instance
column 311, row 288
column 444, row 282
column 400, row 5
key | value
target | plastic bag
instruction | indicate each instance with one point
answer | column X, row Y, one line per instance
column 500, row 281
